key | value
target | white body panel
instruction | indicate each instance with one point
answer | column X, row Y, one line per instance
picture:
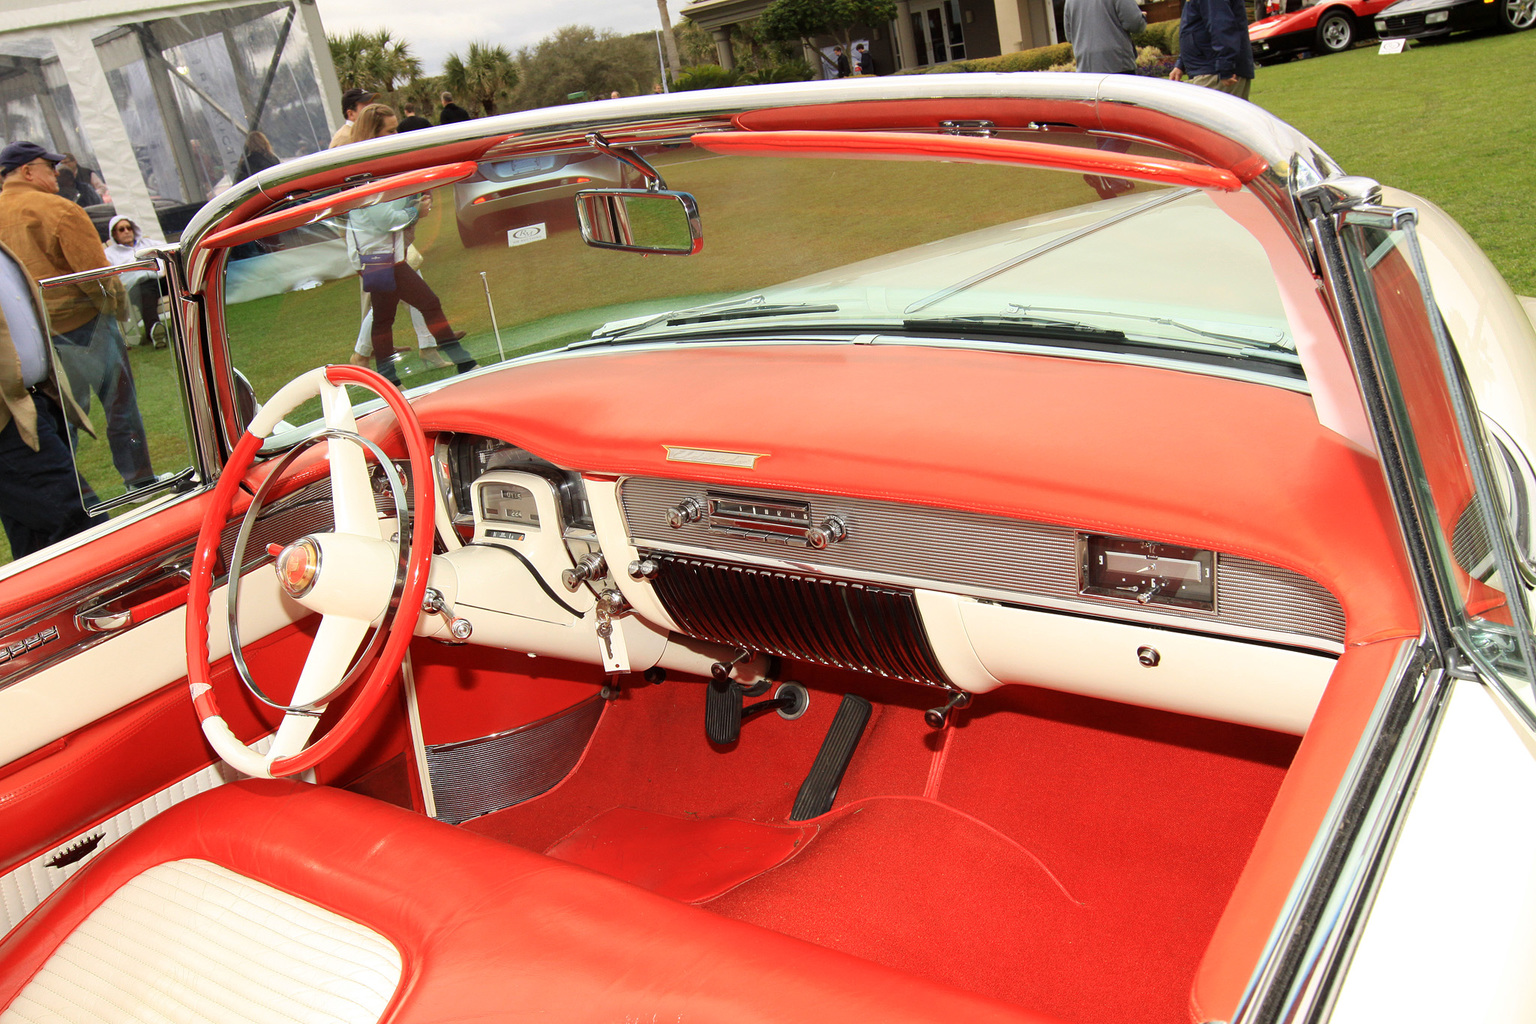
column 1452, row 935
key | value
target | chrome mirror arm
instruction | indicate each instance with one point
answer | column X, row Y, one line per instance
column 653, row 179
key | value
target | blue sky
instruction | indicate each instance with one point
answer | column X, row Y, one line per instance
column 434, row 28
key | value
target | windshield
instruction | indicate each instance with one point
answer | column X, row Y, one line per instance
column 909, row 251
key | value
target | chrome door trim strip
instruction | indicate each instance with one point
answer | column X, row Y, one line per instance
column 1319, row 927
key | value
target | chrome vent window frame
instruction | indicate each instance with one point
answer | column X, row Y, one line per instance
column 989, row 557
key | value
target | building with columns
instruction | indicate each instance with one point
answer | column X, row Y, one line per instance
column 924, row 32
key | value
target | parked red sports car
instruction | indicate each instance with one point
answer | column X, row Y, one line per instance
column 1291, row 27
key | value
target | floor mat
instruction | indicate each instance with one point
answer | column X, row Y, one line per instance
column 687, row 859
column 939, row 855
column 915, row 885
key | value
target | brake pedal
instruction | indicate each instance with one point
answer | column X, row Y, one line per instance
column 820, row 786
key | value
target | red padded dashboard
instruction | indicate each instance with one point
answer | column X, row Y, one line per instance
column 1181, row 457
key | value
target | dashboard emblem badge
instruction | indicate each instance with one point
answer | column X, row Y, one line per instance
column 714, row 457
column 297, row 565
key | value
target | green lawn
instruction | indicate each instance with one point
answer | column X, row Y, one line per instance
column 1454, row 122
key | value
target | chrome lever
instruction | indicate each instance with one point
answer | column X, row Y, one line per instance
column 433, row 603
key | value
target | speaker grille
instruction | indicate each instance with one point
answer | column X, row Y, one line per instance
column 826, row 621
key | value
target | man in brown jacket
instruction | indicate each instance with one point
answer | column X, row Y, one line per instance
column 41, row 497
column 53, row 236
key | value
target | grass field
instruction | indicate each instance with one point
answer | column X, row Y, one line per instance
column 1453, row 122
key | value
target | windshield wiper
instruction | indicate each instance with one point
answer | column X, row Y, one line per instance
column 1249, row 346
column 747, row 312
column 1108, row 339
column 734, row 308
column 1032, row 326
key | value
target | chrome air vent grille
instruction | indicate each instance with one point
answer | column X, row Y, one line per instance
column 987, row 556
column 826, row 621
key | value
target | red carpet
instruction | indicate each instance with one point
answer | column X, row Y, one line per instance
column 688, row 859
column 1065, row 854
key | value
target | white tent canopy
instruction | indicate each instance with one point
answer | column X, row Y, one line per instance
column 160, row 97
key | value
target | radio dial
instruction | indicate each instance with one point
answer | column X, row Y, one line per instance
column 831, row 530
column 689, row 510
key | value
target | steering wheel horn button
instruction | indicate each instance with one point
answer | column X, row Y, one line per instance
column 297, row 566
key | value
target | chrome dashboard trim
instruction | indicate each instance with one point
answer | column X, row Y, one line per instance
column 990, row 558
column 713, row 457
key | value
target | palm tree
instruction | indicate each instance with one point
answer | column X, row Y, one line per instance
column 398, row 65
column 481, row 75
column 350, row 56
column 375, row 61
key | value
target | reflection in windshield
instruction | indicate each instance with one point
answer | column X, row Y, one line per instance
column 789, row 244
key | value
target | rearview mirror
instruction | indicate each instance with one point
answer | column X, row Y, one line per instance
column 636, row 220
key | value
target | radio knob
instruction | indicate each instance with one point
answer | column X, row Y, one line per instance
column 643, row 569
column 831, row 530
column 689, row 510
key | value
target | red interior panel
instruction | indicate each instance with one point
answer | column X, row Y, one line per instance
column 1293, row 821
column 468, row 692
column 1162, row 454
column 114, row 763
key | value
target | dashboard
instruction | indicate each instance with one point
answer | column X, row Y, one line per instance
column 931, row 596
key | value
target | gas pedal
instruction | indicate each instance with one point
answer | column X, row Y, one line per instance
column 820, row 787
column 722, row 711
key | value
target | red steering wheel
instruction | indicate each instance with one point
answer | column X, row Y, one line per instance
column 348, row 576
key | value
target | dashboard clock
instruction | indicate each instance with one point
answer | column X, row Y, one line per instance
column 1147, row 571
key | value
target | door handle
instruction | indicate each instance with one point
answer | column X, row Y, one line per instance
column 138, row 601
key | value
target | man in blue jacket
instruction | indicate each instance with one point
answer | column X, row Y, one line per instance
column 1214, row 51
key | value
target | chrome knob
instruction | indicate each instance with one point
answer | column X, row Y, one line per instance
column 1148, row 656
column 689, row 510
column 588, row 567
column 831, row 530
column 643, row 569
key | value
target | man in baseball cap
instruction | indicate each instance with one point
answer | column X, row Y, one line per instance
column 352, row 101
column 19, row 154
column 52, row 236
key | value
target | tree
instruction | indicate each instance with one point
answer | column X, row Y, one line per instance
column 375, row 61
column 482, row 75
column 580, row 59
column 673, row 67
column 757, row 56
column 805, row 19
column 396, row 64
column 349, row 54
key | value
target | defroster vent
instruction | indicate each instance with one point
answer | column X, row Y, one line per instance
column 826, row 621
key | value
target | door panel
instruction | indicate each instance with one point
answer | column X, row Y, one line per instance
column 97, row 725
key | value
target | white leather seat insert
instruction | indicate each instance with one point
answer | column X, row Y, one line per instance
column 189, row 941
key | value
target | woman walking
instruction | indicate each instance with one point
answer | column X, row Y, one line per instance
column 379, row 236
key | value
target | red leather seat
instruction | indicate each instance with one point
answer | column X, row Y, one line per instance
column 492, row 932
